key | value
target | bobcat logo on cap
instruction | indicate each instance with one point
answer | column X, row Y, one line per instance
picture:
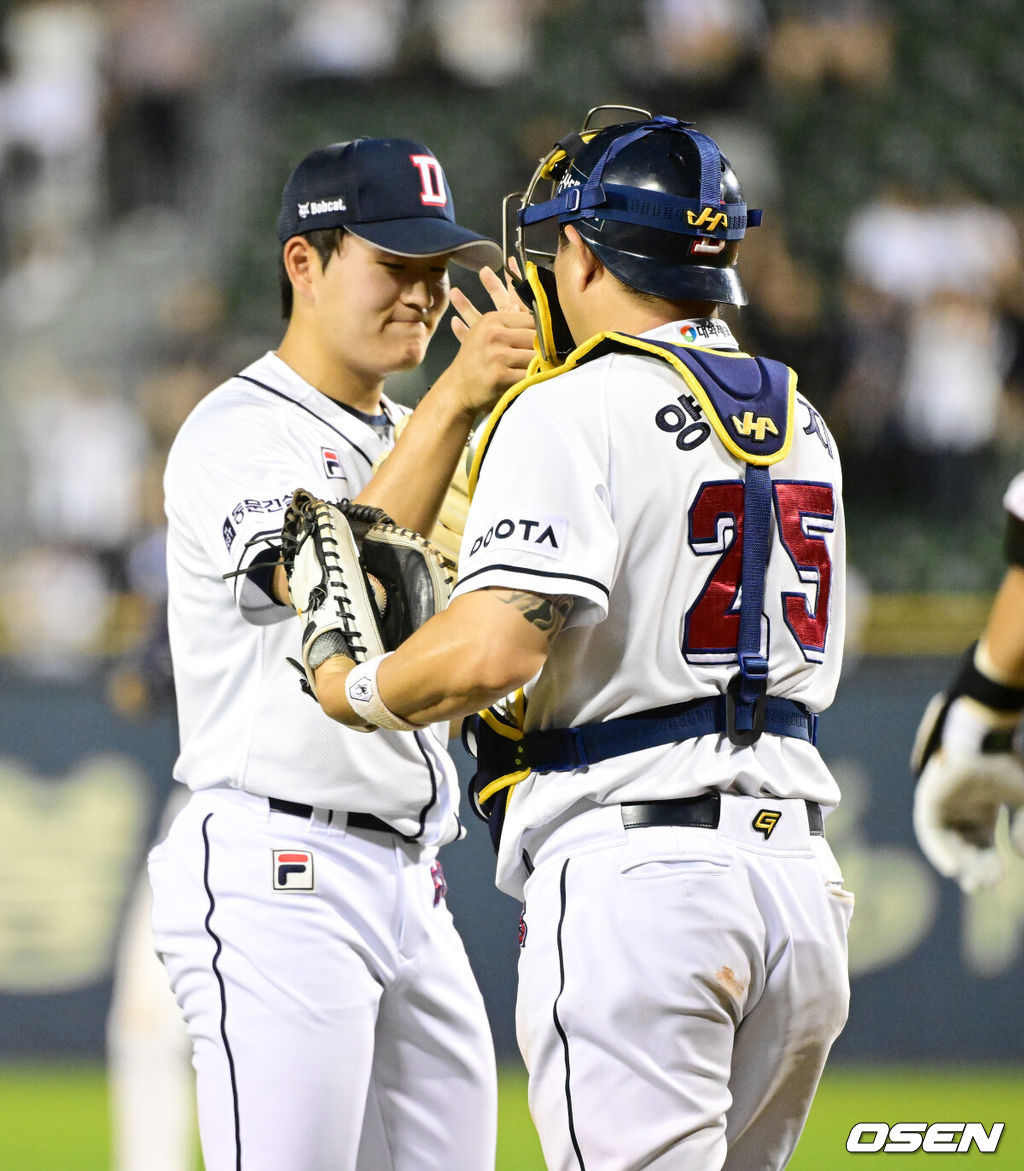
column 321, row 207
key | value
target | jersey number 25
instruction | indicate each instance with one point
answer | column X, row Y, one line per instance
column 804, row 515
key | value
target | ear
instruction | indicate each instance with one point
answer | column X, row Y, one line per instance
column 300, row 261
column 585, row 264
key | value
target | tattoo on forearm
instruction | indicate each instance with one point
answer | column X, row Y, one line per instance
column 547, row 614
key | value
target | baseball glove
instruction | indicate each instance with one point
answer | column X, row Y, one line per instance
column 360, row 583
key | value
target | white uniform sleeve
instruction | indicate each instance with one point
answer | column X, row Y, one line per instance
column 229, row 480
column 540, row 519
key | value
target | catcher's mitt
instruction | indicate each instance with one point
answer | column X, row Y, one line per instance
column 359, row 582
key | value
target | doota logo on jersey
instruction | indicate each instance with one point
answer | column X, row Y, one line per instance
column 293, row 871
column 537, row 534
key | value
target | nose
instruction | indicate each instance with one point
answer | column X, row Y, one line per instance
column 421, row 294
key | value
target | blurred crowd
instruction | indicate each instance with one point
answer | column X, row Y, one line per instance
column 143, row 144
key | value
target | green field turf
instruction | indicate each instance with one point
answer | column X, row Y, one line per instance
column 55, row 1117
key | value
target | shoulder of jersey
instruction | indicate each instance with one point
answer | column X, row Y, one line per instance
column 579, row 378
column 228, row 411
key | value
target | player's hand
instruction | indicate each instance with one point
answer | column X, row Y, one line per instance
column 330, row 678
column 495, row 347
column 962, row 788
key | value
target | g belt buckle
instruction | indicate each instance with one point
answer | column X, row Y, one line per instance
column 743, row 738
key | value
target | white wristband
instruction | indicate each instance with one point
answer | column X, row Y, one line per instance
column 365, row 700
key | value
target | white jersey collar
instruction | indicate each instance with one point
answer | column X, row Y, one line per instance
column 696, row 331
column 285, row 380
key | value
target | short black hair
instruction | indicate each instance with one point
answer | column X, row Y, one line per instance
column 689, row 308
column 326, row 241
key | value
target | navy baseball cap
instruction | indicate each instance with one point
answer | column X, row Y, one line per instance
column 390, row 192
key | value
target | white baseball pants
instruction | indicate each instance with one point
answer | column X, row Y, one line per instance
column 680, row 988
column 337, row 1028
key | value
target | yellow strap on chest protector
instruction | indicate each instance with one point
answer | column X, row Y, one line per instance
column 620, row 341
column 512, row 732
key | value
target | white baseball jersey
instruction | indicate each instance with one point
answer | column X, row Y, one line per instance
column 608, row 483
column 244, row 721
column 334, row 1018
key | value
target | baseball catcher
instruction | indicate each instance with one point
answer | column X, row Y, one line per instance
column 359, row 582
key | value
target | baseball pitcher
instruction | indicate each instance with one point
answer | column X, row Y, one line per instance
column 298, row 900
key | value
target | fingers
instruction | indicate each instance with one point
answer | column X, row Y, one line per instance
column 464, row 307
column 501, row 292
column 513, row 328
column 460, row 329
column 496, row 288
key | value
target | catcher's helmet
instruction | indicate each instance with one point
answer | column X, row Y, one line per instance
column 656, row 200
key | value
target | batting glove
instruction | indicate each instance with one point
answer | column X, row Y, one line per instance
column 968, row 767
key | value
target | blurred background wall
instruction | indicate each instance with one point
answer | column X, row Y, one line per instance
column 143, row 147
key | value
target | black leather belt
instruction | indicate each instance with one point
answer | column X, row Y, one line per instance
column 701, row 812
column 355, row 820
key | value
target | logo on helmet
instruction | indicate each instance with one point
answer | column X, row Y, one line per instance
column 709, row 219
column 707, row 246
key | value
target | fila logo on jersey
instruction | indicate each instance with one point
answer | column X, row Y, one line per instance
column 765, row 820
column 293, row 871
column 759, row 427
column 542, row 534
column 332, row 464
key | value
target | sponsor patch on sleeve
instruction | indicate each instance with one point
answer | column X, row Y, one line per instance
column 538, row 534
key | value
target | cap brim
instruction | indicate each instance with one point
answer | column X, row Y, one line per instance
column 430, row 237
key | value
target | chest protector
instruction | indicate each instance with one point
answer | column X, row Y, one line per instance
column 749, row 403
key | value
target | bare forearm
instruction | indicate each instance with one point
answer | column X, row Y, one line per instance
column 483, row 647
column 1003, row 640
column 410, row 484
column 442, row 672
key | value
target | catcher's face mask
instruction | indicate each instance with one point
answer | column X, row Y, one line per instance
column 674, row 234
